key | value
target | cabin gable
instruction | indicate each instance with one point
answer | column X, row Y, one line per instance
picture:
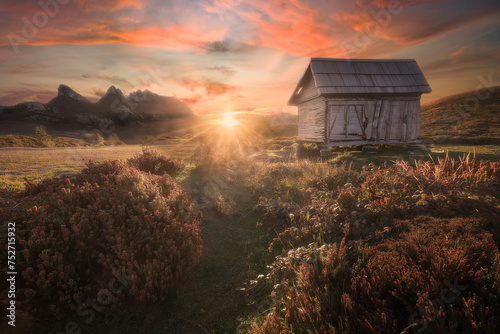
column 306, row 90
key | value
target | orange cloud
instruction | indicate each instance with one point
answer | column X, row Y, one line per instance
column 212, row 88
column 191, row 100
column 176, row 37
column 461, row 50
column 109, row 5
column 387, row 3
column 217, row 88
column 102, row 22
column 304, row 28
column 289, row 26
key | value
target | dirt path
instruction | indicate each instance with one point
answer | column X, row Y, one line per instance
column 234, row 251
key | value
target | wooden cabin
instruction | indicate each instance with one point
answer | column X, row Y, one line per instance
column 360, row 101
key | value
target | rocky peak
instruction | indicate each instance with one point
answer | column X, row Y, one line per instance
column 113, row 94
column 143, row 96
column 64, row 90
column 112, row 90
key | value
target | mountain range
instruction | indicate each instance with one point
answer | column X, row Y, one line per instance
column 69, row 107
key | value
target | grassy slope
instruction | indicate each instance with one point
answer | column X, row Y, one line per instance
column 464, row 118
column 27, row 141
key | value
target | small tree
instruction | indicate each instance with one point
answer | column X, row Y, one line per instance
column 93, row 139
column 41, row 132
column 147, row 141
column 45, row 138
column 113, row 139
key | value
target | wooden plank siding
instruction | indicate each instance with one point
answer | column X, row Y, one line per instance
column 376, row 120
column 312, row 120
column 345, row 121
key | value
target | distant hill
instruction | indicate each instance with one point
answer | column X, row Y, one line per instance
column 70, row 108
column 463, row 118
column 279, row 124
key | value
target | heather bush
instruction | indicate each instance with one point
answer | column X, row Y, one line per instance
column 332, row 202
column 374, row 250
column 223, row 207
column 151, row 161
column 439, row 275
column 75, row 233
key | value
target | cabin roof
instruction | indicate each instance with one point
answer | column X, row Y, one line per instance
column 336, row 76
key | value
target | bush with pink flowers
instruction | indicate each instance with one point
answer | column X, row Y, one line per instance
column 74, row 233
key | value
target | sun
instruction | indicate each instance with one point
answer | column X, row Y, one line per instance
column 228, row 120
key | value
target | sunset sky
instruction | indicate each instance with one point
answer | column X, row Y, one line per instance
column 223, row 55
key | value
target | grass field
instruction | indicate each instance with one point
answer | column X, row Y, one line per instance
column 39, row 163
column 235, row 252
column 36, row 164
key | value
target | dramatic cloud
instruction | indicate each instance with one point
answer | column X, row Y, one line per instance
column 191, row 100
column 230, row 54
column 212, row 88
column 225, row 70
column 34, row 94
column 113, row 79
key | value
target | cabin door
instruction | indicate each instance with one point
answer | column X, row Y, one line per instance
column 346, row 122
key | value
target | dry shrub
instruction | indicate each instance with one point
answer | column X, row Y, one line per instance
column 406, row 233
column 74, row 233
column 439, row 275
column 330, row 203
column 151, row 161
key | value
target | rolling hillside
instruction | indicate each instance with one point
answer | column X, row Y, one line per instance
column 464, row 118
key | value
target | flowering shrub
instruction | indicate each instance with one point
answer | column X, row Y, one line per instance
column 151, row 161
column 337, row 202
column 76, row 232
column 384, row 249
column 224, row 207
column 438, row 275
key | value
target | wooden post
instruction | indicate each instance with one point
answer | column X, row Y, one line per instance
column 375, row 122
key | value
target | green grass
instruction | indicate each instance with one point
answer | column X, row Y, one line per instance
column 234, row 252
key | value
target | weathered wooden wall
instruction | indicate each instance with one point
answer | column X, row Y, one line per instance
column 387, row 119
column 312, row 120
column 311, row 112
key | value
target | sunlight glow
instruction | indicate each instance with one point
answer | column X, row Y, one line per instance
column 228, row 120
